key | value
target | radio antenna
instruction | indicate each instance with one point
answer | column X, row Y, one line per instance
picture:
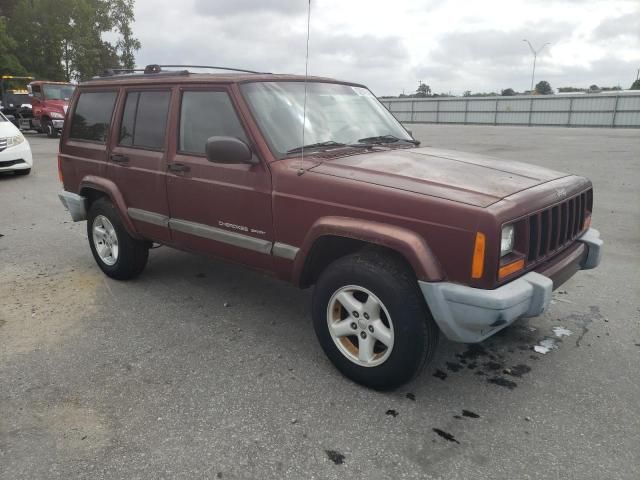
column 306, row 74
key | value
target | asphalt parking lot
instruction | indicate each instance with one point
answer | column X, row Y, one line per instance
column 157, row 378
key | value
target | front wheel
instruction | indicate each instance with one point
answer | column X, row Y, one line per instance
column 49, row 130
column 372, row 321
column 118, row 255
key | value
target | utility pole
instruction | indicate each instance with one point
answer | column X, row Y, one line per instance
column 535, row 56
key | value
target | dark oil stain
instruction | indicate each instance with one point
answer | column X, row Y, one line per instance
column 636, row 344
column 472, row 352
column 533, row 357
column 335, row 457
column 411, row 396
column 219, row 475
column 480, row 372
column 519, row 370
column 446, row 435
column 493, row 366
column 502, row 382
column 470, row 414
column 440, row 374
column 454, row 367
column 457, row 417
column 391, row 412
column 2, row 322
column 200, row 275
column 472, row 365
column 582, row 320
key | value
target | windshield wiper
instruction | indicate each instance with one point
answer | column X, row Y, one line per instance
column 387, row 139
column 327, row 144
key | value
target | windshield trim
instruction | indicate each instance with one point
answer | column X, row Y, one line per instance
column 274, row 153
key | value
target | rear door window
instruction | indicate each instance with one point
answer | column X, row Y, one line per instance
column 144, row 119
column 92, row 116
column 205, row 114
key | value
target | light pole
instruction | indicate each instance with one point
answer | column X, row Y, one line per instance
column 535, row 56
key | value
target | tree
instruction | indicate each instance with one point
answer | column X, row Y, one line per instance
column 543, row 88
column 423, row 90
column 9, row 63
column 570, row 89
column 62, row 39
column 122, row 15
column 467, row 93
column 635, row 85
column 508, row 92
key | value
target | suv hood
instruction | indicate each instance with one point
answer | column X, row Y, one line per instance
column 458, row 176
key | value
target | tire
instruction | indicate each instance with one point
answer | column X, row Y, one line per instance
column 24, row 171
column 49, row 130
column 371, row 277
column 118, row 255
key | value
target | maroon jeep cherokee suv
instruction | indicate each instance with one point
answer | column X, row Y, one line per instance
column 400, row 242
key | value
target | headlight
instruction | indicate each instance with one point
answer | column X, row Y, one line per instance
column 15, row 140
column 57, row 115
column 506, row 241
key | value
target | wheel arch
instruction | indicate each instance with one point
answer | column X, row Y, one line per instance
column 331, row 238
column 94, row 188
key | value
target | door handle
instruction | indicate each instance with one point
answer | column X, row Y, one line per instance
column 178, row 167
column 116, row 157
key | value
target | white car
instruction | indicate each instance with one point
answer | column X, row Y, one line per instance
column 15, row 152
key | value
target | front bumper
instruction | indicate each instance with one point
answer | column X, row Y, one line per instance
column 76, row 204
column 16, row 158
column 469, row 315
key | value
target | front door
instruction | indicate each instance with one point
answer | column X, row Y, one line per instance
column 220, row 209
column 137, row 162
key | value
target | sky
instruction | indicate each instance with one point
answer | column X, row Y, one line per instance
column 390, row 46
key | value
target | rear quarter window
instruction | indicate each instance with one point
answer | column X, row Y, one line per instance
column 92, row 116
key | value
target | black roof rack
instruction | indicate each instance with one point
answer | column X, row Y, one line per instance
column 155, row 69
column 158, row 68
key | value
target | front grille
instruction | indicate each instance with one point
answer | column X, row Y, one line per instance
column 3, row 144
column 554, row 228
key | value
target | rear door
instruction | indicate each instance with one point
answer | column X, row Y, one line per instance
column 137, row 161
column 219, row 209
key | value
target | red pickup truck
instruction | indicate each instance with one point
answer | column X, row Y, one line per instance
column 49, row 103
column 313, row 181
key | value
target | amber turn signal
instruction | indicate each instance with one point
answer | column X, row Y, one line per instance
column 477, row 267
column 510, row 268
column 587, row 222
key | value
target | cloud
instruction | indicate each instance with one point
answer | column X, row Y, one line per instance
column 244, row 7
column 451, row 45
column 624, row 25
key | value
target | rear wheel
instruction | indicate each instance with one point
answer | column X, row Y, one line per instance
column 118, row 255
column 372, row 321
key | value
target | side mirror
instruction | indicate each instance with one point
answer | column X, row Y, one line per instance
column 228, row 150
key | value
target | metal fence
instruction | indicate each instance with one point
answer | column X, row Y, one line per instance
column 594, row 110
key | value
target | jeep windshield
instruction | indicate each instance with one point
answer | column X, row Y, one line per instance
column 337, row 116
column 58, row 92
